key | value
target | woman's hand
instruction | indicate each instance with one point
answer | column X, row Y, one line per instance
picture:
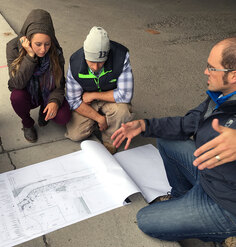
column 51, row 110
column 26, row 45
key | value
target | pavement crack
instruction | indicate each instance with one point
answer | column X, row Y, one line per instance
column 45, row 241
column 35, row 145
column 8, row 154
column 9, row 157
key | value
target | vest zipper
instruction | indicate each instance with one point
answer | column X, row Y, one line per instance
column 96, row 80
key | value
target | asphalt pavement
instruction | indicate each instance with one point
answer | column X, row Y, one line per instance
column 169, row 42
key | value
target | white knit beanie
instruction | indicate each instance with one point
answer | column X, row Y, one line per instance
column 96, row 45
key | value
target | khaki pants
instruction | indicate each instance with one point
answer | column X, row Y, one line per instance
column 81, row 127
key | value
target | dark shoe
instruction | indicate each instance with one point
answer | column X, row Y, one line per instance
column 30, row 134
column 41, row 118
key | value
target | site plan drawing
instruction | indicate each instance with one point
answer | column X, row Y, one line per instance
column 49, row 195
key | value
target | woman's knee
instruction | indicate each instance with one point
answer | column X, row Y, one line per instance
column 63, row 117
column 18, row 96
column 63, row 114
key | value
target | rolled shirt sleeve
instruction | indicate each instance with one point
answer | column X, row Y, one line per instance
column 125, row 83
column 73, row 91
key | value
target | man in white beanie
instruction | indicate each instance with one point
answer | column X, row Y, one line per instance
column 99, row 88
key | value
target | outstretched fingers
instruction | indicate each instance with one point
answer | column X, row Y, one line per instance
column 116, row 133
column 119, row 141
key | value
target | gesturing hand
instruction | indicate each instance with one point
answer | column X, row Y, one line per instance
column 128, row 130
column 218, row 151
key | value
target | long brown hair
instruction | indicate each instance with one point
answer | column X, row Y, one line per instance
column 54, row 62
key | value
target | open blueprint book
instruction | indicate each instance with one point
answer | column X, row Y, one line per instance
column 49, row 195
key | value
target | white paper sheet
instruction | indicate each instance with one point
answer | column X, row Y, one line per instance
column 145, row 167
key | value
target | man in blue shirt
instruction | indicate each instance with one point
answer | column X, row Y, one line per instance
column 203, row 196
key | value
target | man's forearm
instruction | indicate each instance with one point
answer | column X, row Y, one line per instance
column 87, row 111
column 104, row 96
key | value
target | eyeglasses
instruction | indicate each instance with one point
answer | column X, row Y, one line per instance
column 210, row 68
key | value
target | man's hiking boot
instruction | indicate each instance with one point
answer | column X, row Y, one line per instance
column 41, row 118
column 30, row 134
column 162, row 198
column 112, row 149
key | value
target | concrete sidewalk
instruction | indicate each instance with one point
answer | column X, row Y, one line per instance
column 168, row 69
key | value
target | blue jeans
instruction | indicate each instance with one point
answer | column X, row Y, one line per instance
column 191, row 213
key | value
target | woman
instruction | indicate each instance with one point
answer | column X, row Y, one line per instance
column 36, row 68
